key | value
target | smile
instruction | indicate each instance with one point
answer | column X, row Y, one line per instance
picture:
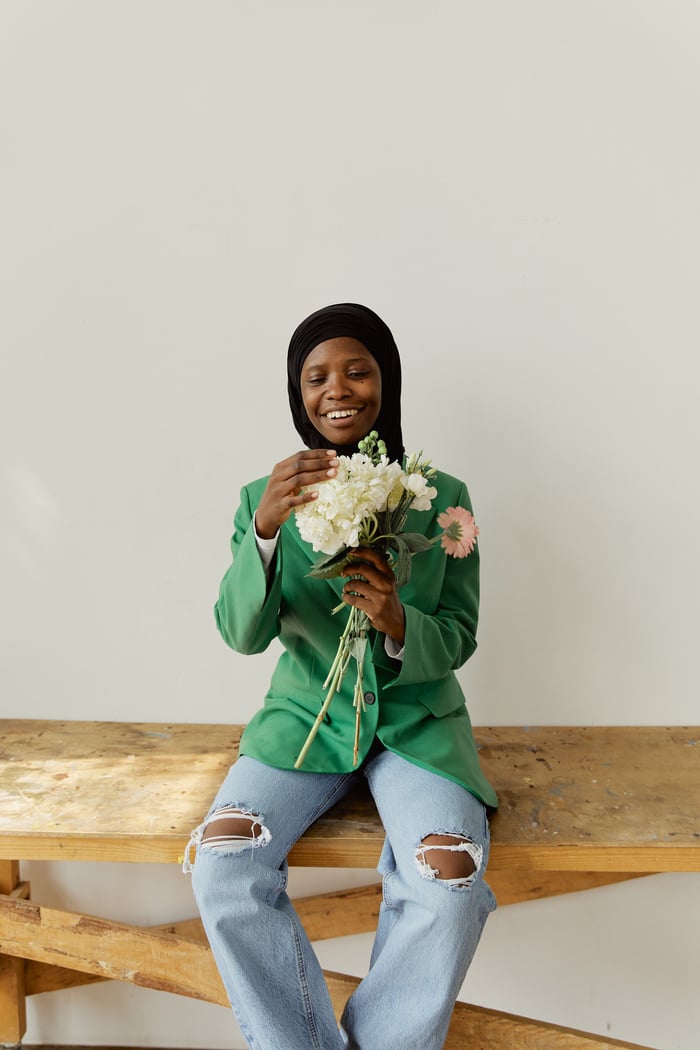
column 345, row 413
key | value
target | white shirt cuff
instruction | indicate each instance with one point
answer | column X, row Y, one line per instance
column 266, row 548
column 392, row 648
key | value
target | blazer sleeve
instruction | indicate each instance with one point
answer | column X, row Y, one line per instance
column 440, row 641
column 247, row 611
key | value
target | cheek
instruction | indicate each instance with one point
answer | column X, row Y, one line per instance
column 375, row 392
column 308, row 401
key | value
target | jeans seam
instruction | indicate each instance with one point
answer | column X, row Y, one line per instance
column 304, row 984
column 385, row 891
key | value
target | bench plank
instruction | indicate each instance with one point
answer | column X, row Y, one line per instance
column 579, row 807
column 169, row 962
column 618, row 799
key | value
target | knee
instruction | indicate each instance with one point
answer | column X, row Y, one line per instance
column 229, row 831
column 450, row 858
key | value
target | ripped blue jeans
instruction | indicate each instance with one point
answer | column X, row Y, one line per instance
column 429, row 924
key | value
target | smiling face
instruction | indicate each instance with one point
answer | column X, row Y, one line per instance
column 341, row 387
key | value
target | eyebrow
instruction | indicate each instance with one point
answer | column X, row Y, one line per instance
column 350, row 361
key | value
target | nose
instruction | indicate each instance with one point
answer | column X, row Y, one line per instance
column 338, row 386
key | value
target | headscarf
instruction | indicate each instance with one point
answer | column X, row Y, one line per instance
column 361, row 323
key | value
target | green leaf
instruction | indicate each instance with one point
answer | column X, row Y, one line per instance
column 398, row 515
column 402, row 569
column 416, row 542
column 384, row 522
column 357, row 647
column 331, row 565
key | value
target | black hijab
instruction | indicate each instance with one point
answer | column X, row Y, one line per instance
column 356, row 322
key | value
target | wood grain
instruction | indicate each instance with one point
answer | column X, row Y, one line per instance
column 13, row 1013
column 166, row 961
column 606, row 799
column 119, row 951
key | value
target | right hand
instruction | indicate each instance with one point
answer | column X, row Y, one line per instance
column 291, row 485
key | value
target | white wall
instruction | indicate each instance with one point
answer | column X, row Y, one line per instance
column 514, row 187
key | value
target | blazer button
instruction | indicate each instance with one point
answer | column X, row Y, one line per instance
column 370, row 698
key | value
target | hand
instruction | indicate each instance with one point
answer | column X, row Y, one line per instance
column 375, row 592
column 284, row 491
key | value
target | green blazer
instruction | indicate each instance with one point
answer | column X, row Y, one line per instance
column 415, row 706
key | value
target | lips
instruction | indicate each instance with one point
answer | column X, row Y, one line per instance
column 341, row 413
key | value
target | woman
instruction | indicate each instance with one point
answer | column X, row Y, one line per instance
column 416, row 749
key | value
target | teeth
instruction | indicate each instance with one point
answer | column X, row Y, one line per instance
column 345, row 414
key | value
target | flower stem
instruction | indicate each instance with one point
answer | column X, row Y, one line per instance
column 332, row 683
column 352, row 642
column 356, row 745
column 317, row 724
column 341, row 646
column 359, row 704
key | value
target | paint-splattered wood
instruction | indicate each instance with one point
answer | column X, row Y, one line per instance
column 623, row 799
column 600, row 798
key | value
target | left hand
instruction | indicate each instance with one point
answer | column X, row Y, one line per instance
column 375, row 592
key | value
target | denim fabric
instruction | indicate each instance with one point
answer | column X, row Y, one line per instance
column 428, row 928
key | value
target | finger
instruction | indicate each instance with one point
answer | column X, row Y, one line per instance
column 367, row 595
column 374, row 562
column 366, row 575
column 301, row 497
column 351, row 596
column 307, row 461
column 369, row 554
column 303, row 475
column 367, row 603
column 372, row 588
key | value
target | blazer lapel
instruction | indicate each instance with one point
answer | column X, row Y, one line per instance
column 336, row 583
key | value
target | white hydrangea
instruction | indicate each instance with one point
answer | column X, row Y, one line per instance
column 360, row 489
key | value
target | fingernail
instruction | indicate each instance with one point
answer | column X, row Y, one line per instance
column 331, row 473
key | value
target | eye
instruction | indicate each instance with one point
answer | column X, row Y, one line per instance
column 358, row 375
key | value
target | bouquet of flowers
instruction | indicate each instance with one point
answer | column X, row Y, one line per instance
column 365, row 505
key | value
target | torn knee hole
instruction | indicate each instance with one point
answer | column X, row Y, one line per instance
column 231, row 827
column 454, row 859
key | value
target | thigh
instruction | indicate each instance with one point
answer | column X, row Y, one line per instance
column 414, row 803
column 283, row 802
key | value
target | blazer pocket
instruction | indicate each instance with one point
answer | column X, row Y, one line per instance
column 445, row 697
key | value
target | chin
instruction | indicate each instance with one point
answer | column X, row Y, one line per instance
column 342, row 437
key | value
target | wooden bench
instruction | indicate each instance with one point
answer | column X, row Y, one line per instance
column 580, row 807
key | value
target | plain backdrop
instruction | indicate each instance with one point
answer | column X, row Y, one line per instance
column 514, row 187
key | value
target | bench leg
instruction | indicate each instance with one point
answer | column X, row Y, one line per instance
column 13, row 1015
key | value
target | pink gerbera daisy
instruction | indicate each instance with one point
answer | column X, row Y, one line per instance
column 460, row 531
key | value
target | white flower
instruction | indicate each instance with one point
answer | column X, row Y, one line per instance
column 359, row 491
column 423, row 493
